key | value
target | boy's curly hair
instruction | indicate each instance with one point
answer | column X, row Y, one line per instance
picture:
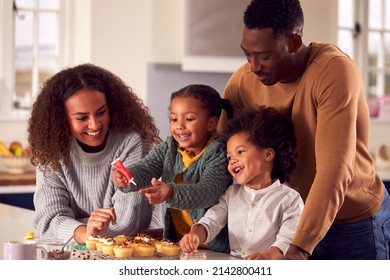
column 49, row 135
column 268, row 128
column 283, row 16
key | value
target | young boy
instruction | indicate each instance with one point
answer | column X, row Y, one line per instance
column 261, row 212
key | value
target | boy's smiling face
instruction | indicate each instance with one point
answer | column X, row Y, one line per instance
column 249, row 164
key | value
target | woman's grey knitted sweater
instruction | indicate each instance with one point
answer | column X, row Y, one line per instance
column 204, row 182
column 63, row 200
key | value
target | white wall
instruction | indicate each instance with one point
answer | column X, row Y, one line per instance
column 124, row 35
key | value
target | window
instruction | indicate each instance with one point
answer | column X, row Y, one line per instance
column 364, row 33
column 32, row 50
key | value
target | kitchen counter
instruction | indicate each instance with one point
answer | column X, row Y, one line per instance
column 16, row 222
column 17, row 183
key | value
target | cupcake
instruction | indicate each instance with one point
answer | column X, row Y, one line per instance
column 158, row 244
column 145, row 250
column 170, row 249
column 134, row 243
column 143, row 237
column 100, row 242
column 123, row 251
column 108, row 246
column 120, row 238
column 90, row 242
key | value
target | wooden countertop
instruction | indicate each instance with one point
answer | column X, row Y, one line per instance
column 7, row 179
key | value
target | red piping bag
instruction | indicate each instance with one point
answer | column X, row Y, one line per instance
column 118, row 165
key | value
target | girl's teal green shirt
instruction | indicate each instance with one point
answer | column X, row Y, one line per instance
column 204, row 182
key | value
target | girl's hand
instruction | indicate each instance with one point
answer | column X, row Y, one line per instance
column 189, row 243
column 119, row 179
column 158, row 192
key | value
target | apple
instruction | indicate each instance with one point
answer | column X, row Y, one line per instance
column 14, row 146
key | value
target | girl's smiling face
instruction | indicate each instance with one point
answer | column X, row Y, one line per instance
column 249, row 164
column 190, row 123
column 88, row 117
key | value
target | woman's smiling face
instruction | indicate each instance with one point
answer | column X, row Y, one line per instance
column 88, row 117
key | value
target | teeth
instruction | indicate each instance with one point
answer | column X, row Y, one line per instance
column 183, row 136
column 238, row 169
column 93, row 133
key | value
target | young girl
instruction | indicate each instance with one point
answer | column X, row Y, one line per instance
column 261, row 212
column 191, row 164
column 83, row 118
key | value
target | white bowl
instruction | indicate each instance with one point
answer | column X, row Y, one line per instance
column 16, row 164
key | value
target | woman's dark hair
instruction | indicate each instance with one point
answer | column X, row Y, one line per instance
column 285, row 17
column 268, row 128
column 208, row 96
column 49, row 135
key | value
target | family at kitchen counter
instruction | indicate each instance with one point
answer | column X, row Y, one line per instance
column 285, row 175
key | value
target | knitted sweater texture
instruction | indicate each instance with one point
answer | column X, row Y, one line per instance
column 335, row 173
column 204, row 182
column 64, row 200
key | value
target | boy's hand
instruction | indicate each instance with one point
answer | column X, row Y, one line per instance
column 189, row 243
column 158, row 192
column 119, row 179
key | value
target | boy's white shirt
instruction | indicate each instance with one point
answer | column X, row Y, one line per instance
column 257, row 219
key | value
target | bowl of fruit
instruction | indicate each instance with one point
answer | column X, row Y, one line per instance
column 15, row 157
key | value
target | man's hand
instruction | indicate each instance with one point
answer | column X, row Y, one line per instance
column 272, row 253
column 296, row 253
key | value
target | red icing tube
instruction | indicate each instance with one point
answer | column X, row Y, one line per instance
column 118, row 165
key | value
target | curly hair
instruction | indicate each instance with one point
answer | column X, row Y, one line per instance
column 283, row 16
column 49, row 135
column 268, row 128
column 208, row 96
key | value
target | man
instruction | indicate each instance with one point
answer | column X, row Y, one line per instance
column 346, row 205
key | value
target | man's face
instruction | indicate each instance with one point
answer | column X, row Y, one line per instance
column 268, row 55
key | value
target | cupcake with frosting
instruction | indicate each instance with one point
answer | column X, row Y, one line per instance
column 123, row 251
column 90, row 242
column 120, row 238
column 100, row 242
column 108, row 246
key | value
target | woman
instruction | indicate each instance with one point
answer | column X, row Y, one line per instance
column 84, row 118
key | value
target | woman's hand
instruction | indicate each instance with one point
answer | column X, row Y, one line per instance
column 119, row 179
column 97, row 224
column 99, row 221
column 158, row 192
